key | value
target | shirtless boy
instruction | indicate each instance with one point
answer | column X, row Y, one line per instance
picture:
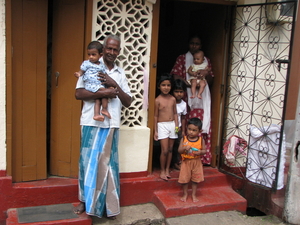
column 166, row 124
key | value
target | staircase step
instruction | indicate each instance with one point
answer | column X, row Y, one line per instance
column 83, row 219
column 145, row 186
column 211, row 199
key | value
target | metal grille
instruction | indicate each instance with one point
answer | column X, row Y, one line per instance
column 256, row 88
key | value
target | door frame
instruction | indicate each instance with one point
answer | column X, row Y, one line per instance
column 153, row 74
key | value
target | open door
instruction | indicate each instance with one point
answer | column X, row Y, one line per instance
column 67, row 54
column 178, row 21
column 33, row 35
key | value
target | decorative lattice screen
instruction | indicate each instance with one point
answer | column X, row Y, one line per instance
column 132, row 22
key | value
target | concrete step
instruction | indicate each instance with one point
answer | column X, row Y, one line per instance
column 12, row 219
column 211, row 199
column 144, row 187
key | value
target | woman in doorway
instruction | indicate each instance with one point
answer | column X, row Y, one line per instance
column 179, row 71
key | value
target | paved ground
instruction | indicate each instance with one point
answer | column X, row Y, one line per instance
column 148, row 214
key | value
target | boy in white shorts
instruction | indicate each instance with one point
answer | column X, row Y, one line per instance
column 166, row 124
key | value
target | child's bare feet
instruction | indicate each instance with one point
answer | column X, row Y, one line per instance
column 99, row 118
column 199, row 96
column 177, row 166
column 183, row 198
column 194, row 198
column 105, row 113
column 192, row 96
column 163, row 176
column 79, row 209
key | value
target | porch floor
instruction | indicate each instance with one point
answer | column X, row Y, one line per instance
column 215, row 194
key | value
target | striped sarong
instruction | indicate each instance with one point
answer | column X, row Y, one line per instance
column 99, row 182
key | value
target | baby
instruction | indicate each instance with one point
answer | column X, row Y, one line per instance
column 194, row 71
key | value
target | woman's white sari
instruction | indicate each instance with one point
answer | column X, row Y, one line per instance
column 196, row 103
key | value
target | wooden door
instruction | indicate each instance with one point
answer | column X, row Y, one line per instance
column 67, row 54
column 28, row 76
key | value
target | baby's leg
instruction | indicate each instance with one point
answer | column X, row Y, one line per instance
column 185, row 192
column 104, row 110
column 193, row 87
column 97, row 107
column 201, row 89
column 194, row 190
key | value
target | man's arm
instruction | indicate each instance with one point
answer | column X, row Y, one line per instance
column 124, row 98
column 109, row 82
column 83, row 94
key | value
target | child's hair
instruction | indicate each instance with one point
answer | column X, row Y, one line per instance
column 199, row 51
column 195, row 121
column 95, row 45
column 163, row 77
column 179, row 84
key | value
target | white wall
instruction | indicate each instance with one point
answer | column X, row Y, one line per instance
column 2, row 88
column 134, row 149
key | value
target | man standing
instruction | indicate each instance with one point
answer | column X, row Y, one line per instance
column 99, row 183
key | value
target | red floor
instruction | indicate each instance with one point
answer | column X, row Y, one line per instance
column 215, row 193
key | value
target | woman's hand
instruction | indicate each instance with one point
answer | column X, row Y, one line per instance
column 201, row 74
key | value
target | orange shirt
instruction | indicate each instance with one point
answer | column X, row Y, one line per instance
column 194, row 144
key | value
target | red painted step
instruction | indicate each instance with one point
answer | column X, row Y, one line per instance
column 83, row 219
column 211, row 199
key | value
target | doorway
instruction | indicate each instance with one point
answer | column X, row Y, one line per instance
column 44, row 112
column 178, row 21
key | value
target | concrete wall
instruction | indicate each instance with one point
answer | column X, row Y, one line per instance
column 2, row 88
column 134, row 149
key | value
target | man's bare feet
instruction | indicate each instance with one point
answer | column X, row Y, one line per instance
column 79, row 209
column 105, row 113
column 183, row 198
column 195, row 199
column 99, row 118
column 111, row 217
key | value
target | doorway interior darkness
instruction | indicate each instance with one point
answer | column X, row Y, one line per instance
column 178, row 21
column 49, row 72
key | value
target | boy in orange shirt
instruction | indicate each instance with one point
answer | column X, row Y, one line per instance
column 190, row 148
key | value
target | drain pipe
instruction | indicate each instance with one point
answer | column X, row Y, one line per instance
column 292, row 196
